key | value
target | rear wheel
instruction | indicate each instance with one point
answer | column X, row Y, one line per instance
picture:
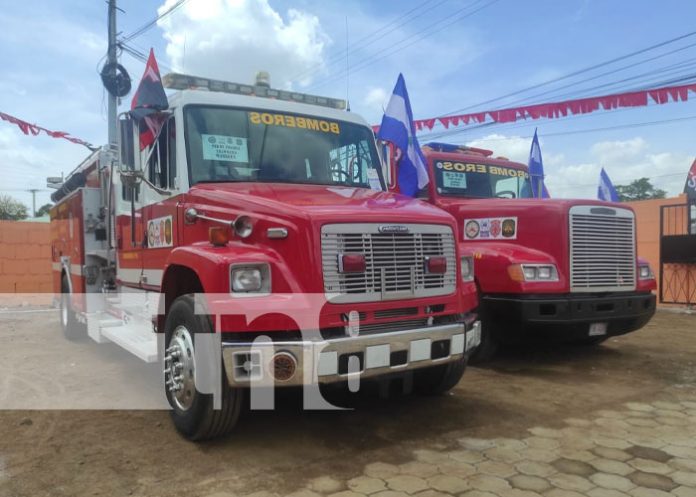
column 72, row 328
column 193, row 413
column 439, row 379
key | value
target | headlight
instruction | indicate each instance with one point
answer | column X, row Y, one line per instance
column 533, row 272
column 250, row 278
column 467, row 268
column 645, row 272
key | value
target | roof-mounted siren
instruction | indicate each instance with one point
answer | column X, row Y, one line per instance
column 263, row 79
column 261, row 88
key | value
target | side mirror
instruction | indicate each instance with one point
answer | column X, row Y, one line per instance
column 127, row 128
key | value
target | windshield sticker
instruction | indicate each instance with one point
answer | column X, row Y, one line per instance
column 159, row 232
column 225, row 148
column 454, row 180
column 459, row 167
column 491, row 228
column 272, row 119
column 373, row 179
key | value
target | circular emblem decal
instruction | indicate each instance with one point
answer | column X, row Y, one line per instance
column 472, row 229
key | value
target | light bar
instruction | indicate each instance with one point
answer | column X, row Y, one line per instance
column 176, row 81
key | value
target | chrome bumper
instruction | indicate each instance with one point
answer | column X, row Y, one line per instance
column 329, row 361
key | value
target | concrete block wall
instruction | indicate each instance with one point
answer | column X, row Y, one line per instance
column 25, row 257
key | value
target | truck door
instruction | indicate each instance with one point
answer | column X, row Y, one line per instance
column 159, row 207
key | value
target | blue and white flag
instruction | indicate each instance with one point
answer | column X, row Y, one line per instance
column 606, row 190
column 397, row 127
column 536, row 170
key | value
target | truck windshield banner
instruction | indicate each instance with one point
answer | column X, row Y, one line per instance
column 490, row 228
column 291, row 121
column 461, row 167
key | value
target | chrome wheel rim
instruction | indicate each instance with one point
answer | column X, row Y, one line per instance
column 180, row 369
column 64, row 310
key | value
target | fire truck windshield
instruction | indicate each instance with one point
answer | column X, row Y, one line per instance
column 460, row 179
column 230, row 145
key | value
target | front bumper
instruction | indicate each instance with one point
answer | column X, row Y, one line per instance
column 572, row 314
column 339, row 359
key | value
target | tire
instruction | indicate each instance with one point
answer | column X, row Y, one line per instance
column 72, row 328
column 193, row 412
column 438, row 380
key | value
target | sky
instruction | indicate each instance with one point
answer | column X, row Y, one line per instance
column 453, row 55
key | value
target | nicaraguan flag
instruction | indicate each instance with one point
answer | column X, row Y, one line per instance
column 606, row 190
column 690, row 185
column 149, row 99
column 536, row 170
column 397, row 127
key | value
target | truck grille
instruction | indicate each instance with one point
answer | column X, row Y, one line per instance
column 602, row 249
column 395, row 261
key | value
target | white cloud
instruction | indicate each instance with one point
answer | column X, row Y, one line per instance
column 234, row 39
column 624, row 161
column 619, row 152
column 376, row 97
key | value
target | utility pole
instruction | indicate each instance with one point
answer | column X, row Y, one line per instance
column 112, row 59
column 33, row 201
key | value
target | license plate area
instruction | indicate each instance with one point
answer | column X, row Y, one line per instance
column 598, row 329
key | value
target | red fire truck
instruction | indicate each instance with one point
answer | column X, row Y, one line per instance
column 252, row 197
column 562, row 269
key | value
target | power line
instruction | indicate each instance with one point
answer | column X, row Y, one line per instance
column 572, row 74
column 613, row 71
column 360, row 44
column 429, row 31
column 150, row 24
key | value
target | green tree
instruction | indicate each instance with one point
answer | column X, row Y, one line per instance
column 11, row 209
column 640, row 189
column 43, row 210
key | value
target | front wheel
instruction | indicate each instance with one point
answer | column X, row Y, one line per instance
column 439, row 379
column 193, row 413
column 488, row 347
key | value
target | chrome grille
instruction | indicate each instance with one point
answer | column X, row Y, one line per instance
column 395, row 262
column 602, row 249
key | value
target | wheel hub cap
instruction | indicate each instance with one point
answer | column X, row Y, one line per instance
column 180, row 369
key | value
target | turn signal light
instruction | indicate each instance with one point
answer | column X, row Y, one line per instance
column 351, row 263
column 218, row 236
column 436, row 265
column 515, row 272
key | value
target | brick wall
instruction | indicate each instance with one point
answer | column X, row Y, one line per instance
column 25, row 257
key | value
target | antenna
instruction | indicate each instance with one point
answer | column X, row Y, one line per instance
column 347, row 70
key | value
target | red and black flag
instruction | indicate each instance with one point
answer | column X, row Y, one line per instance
column 690, row 186
column 148, row 100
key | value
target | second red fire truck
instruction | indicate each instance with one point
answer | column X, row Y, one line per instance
column 562, row 268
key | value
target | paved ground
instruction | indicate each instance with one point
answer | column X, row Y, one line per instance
column 610, row 421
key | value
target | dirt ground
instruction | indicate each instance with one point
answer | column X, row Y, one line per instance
column 121, row 452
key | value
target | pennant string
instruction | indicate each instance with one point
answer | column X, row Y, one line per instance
column 32, row 129
column 567, row 107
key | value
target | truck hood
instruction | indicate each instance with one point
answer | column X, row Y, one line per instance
column 541, row 225
column 317, row 202
column 535, row 217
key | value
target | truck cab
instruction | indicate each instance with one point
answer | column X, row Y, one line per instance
column 565, row 269
column 260, row 217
